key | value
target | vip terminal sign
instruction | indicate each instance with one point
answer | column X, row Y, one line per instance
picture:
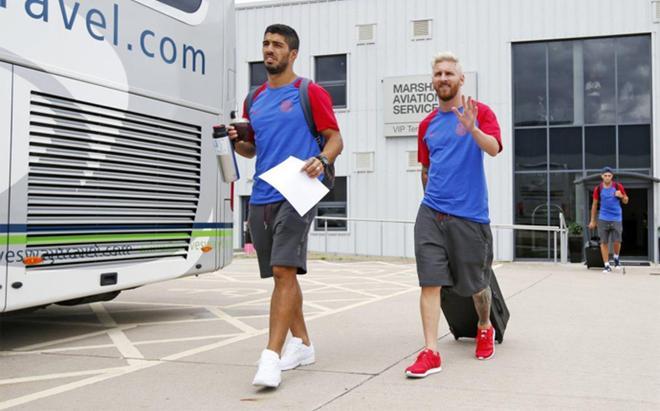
column 408, row 99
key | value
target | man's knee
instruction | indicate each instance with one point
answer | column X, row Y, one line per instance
column 285, row 275
column 430, row 293
column 485, row 291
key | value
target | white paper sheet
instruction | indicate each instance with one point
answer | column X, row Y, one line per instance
column 296, row 186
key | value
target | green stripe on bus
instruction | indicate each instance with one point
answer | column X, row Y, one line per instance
column 19, row 239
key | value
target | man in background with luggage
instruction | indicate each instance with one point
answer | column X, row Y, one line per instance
column 453, row 241
column 279, row 233
column 609, row 195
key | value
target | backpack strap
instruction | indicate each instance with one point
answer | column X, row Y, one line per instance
column 615, row 184
column 249, row 99
column 307, row 111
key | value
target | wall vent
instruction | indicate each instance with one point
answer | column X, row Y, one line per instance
column 656, row 10
column 413, row 164
column 366, row 33
column 364, row 162
column 421, row 29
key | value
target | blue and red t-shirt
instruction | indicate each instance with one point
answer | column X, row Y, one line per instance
column 280, row 130
column 610, row 205
column 456, row 179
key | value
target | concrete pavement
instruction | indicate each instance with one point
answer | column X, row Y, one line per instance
column 576, row 339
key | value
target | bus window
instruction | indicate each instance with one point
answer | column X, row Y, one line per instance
column 189, row 6
column 191, row 12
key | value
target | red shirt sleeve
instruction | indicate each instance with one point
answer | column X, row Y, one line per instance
column 623, row 190
column 596, row 195
column 321, row 102
column 422, row 148
column 488, row 123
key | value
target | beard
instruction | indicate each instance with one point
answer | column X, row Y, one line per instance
column 447, row 95
column 277, row 68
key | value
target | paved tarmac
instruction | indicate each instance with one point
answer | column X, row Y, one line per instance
column 577, row 339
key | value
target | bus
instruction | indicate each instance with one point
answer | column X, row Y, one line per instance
column 108, row 175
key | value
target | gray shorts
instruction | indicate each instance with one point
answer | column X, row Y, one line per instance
column 279, row 235
column 609, row 231
column 452, row 252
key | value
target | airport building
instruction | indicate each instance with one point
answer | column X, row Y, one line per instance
column 573, row 84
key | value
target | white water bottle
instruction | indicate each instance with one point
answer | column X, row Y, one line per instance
column 225, row 154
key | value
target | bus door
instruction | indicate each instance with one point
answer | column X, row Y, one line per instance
column 5, row 133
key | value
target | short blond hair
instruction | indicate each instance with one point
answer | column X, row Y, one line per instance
column 447, row 56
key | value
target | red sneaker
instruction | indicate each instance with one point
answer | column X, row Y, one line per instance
column 427, row 363
column 485, row 343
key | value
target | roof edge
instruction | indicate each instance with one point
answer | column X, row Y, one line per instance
column 638, row 176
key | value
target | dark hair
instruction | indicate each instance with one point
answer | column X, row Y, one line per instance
column 289, row 34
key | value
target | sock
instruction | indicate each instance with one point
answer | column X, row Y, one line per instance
column 616, row 256
column 607, row 264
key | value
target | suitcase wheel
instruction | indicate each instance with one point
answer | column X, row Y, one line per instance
column 451, row 330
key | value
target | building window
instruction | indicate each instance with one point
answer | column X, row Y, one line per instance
column 334, row 204
column 529, row 94
column 599, row 81
column 331, row 73
column 635, row 146
column 634, row 80
column 258, row 75
column 578, row 106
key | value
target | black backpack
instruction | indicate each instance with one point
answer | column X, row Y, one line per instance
column 303, row 89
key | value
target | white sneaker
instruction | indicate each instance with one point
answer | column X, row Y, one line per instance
column 296, row 353
column 268, row 373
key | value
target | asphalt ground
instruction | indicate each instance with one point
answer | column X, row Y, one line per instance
column 577, row 339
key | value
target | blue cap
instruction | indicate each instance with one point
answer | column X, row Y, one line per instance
column 607, row 169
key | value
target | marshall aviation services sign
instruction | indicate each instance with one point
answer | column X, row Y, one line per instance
column 409, row 99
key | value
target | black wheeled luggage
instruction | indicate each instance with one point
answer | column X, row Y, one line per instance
column 592, row 253
column 462, row 316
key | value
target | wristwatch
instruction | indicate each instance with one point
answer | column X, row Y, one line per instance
column 324, row 160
